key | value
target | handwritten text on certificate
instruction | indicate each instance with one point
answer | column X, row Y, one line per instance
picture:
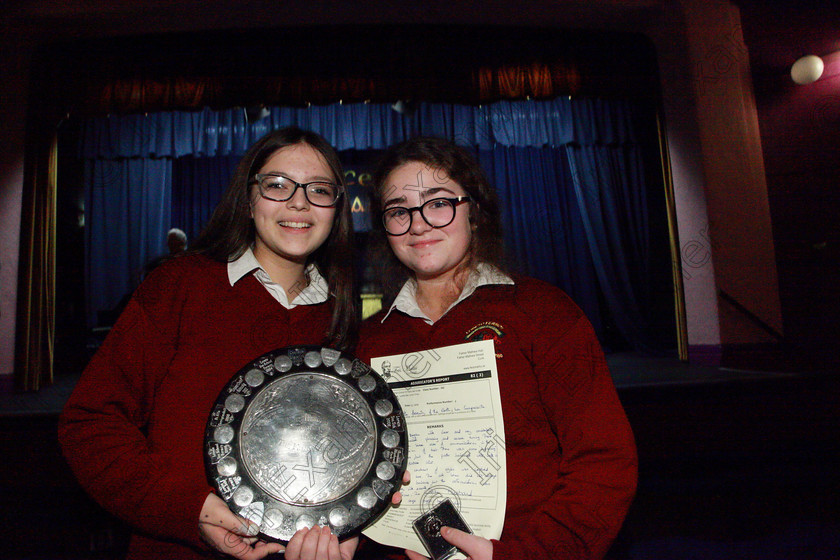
column 456, row 450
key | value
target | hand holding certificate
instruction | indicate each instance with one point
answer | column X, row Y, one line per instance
column 450, row 398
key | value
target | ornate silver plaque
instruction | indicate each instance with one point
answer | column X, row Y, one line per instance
column 306, row 436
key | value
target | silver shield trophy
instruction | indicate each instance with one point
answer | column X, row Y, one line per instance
column 305, row 436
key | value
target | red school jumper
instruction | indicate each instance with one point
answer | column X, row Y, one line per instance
column 571, row 456
column 133, row 429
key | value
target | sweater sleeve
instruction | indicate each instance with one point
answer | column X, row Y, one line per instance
column 102, row 429
column 589, row 493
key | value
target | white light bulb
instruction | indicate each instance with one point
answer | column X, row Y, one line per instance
column 807, row 69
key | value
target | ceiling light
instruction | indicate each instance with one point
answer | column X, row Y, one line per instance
column 807, row 69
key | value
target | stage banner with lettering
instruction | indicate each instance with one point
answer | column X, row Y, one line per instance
column 358, row 176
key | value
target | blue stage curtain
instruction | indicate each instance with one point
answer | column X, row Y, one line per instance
column 362, row 126
column 568, row 171
column 197, row 186
column 128, row 203
column 544, row 234
column 608, row 185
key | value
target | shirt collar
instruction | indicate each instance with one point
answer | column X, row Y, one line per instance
column 317, row 291
column 483, row 274
column 244, row 265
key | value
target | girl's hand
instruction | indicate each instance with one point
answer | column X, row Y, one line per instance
column 318, row 543
column 230, row 534
column 476, row 548
column 235, row 536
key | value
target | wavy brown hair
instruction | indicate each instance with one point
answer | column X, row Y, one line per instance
column 230, row 230
column 458, row 164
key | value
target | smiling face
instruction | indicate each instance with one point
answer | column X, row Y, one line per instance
column 288, row 232
column 431, row 253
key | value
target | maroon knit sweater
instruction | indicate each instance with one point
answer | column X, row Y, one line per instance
column 571, row 457
column 133, row 428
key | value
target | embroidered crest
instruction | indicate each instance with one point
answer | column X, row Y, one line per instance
column 486, row 331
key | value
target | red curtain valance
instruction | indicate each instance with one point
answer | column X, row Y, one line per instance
column 320, row 65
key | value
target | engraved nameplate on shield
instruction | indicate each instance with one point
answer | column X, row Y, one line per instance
column 303, row 436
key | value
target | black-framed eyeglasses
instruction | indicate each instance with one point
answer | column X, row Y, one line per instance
column 437, row 212
column 279, row 189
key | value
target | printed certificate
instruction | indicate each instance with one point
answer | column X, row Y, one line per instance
column 456, row 446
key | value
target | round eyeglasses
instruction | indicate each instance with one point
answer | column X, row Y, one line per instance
column 279, row 189
column 438, row 213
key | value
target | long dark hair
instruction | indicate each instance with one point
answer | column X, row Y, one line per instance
column 231, row 230
column 459, row 165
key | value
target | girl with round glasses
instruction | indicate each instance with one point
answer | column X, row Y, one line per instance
column 570, row 452
column 271, row 269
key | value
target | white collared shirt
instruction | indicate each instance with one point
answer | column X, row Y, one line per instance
column 482, row 275
column 317, row 291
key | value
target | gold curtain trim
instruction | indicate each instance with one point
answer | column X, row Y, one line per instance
column 673, row 237
column 36, row 329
